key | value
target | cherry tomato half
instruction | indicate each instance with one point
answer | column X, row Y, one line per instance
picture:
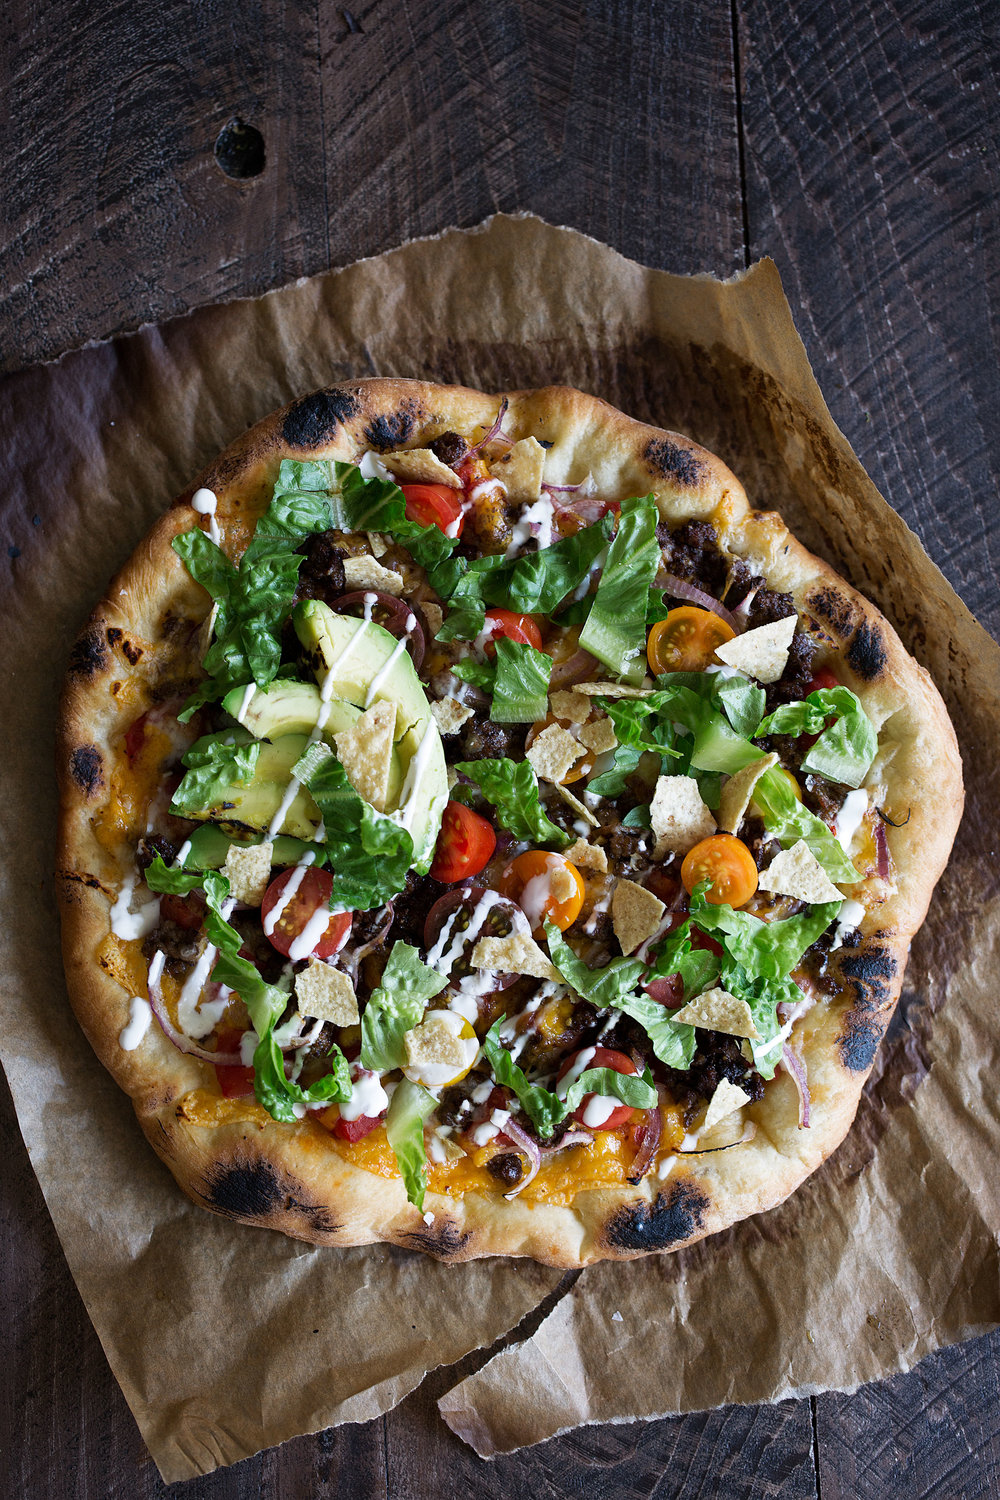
column 235, row 1081
column 311, row 889
column 686, row 640
column 824, row 679
column 604, row 1057
column 434, row 505
column 356, row 1130
column 529, row 881
column 520, row 628
column 724, row 861
column 187, row 911
column 465, row 844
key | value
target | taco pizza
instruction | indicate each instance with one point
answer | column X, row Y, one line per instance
column 485, row 833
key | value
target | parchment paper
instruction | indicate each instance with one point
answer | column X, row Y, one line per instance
column 225, row 1339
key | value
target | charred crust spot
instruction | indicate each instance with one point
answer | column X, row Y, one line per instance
column 870, row 972
column 114, row 635
column 444, row 1241
column 89, row 655
column 314, row 419
column 867, row 654
column 386, row 433
column 87, row 769
column 90, row 881
column 834, row 608
column 671, row 1220
column 254, row 1190
column 859, row 1041
column 671, row 461
column 132, row 651
column 118, row 637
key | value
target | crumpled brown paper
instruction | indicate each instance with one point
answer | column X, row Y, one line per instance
column 225, row 1339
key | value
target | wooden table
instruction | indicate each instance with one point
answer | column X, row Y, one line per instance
column 856, row 144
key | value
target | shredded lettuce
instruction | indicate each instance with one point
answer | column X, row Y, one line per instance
column 395, row 1007
column 768, row 949
column 168, row 880
column 789, row 821
column 370, row 855
column 215, row 763
column 518, row 680
column 409, row 1108
column 615, row 631
column 512, row 787
column 742, row 702
column 378, row 505
column 636, row 1089
column 844, row 751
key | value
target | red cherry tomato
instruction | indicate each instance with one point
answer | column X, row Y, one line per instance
column 312, row 890
column 434, row 505
column 356, row 1130
column 236, row 1082
column 465, row 844
column 822, row 680
column 186, row 911
column 520, row 628
column 604, row 1057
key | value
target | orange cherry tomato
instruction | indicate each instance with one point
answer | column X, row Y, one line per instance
column 465, row 844
column 528, row 881
column 604, row 1057
column 521, row 628
column 434, row 505
column 727, row 863
column 686, row 640
column 582, row 767
column 312, row 889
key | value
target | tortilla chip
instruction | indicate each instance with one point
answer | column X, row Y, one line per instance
column 421, row 466
column 613, row 689
column 450, row 715
column 435, row 1041
column 678, row 816
column 566, row 703
column 366, row 752
column 520, row 469
column 587, row 856
column 580, row 808
column 724, row 1102
column 737, row 794
column 599, row 736
column 562, row 886
column 717, row 1010
column 376, row 543
column 635, row 914
column 515, row 954
column 761, row 653
column 326, row 993
column 797, row 872
column 248, row 871
column 554, row 753
column 433, row 614
column 365, row 573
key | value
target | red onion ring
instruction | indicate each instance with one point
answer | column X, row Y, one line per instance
column 158, row 1006
column 571, row 1138
column 668, row 991
column 882, row 861
column 678, row 589
column 651, row 1129
column 529, row 1148
column 494, row 431
column 797, row 1069
column 580, row 667
column 742, row 611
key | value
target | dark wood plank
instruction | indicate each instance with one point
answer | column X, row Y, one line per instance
column 870, row 148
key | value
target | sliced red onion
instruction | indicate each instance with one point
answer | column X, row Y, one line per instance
column 883, row 863
column 741, row 614
column 651, row 1130
column 353, row 959
column 392, row 614
column 494, row 431
column 571, row 1138
column 158, row 1006
column 580, row 667
column 678, row 589
column 797, row 1068
column 668, row 990
column 531, row 1149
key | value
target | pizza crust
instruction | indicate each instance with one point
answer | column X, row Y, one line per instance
column 134, row 653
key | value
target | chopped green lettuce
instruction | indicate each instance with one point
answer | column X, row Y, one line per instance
column 370, row 855
column 615, row 631
column 518, row 678
column 409, row 1109
column 395, row 1007
column 845, row 750
column 512, row 787
column 215, row 763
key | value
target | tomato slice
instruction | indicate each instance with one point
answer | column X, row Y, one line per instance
column 465, row 844
column 434, row 505
column 235, row 1081
column 186, row 911
column 356, row 1130
column 686, row 640
column 290, row 904
column 521, row 628
column 727, row 864
column 824, row 679
column 604, row 1057
column 529, row 880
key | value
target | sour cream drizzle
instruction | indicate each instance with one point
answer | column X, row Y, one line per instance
column 850, row 817
column 140, row 1016
column 205, row 502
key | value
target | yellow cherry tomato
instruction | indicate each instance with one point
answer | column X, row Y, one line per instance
column 546, row 886
column 724, row 861
column 686, row 640
column 435, row 1075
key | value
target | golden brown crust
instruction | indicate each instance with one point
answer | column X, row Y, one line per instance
column 249, row 1167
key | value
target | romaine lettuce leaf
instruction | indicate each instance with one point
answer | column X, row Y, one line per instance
column 409, row 1108
column 518, row 678
column 543, row 1109
column 765, row 949
column 615, row 631
column 844, row 751
column 395, row 1007
column 512, row 787
column 215, row 763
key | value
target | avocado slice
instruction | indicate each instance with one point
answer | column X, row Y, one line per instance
column 363, row 656
column 250, row 808
column 210, row 846
column 288, row 708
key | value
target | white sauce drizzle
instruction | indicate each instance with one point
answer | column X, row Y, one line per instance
column 384, row 670
column 368, row 1097
column 140, row 1016
column 129, row 925
column 370, row 466
column 251, row 688
column 205, row 502
column 851, row 914
column 850, row 817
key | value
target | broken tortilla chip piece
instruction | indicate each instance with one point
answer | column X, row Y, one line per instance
column 515, row 954
column 580, row 808
column 450, row 715
column 599, row 736
column 366, row 752
column 248, row 871
column 718, row 1010
column 566, row 703
column 436, row 1040
column 587, row 856
column 422, row 466
column 613, row 689
column 365, row 573
column 553, row 753
column 433, row 614
column 678, row 816
column 635, row 914
column 520, row 469
column 761, row 653
column 736, row 795
column 797, row 872
column 326, row 993
column 724, row 1102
